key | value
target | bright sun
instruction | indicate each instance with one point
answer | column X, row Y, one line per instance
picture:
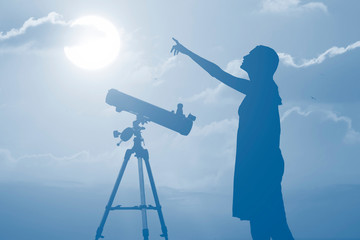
column 95, row 53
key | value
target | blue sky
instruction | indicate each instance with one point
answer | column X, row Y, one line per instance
column 58, row 160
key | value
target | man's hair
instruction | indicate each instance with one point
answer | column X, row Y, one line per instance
column 267, row 58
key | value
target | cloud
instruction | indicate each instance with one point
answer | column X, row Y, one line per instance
column 217, row 127
column 233, row 67
column 211, row 162
column 211, row 95
column 143, row 72
column 287, row 59
column 296, row 110
column 203, row 160
column 351, row 135
column 17, row 49
column 133, row 65
column 81, row 168
column 177, row 162
column 6, row 159
column 279, row 6
column 318, row 148
column 52, row 17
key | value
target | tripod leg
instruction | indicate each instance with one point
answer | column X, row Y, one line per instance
column 113, row 193
column 156, row 198
column 143, row 201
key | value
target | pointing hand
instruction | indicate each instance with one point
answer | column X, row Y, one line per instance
column 178, row 47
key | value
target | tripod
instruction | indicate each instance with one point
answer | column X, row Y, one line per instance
column 142, row 155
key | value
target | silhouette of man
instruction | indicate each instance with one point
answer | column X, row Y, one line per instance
column 259, row 165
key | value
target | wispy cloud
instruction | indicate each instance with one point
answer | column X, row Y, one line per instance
column 81, row 168
column 159, row 70
column 182, row 163
column 205, row 168
column 233, row 67
column 52, row 17
column 210, row 95
column 17, row 49
column 279, row 6
column 351, row 135
column 216, row 127
column 143, row 72
column 297, row 110
column 139, row 69
column 287, row 59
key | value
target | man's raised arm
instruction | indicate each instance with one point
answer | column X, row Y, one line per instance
column 214, row 70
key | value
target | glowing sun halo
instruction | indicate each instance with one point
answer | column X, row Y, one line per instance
column 95, row 53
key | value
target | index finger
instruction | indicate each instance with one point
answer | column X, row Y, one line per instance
column 176, row 41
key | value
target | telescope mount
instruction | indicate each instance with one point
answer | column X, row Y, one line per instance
column 142, row 155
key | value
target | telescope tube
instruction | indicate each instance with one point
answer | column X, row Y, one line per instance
column 176, row 122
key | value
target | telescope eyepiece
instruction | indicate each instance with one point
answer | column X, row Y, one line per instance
column 191, row 117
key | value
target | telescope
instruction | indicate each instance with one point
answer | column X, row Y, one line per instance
column 144, row 112
column 175, row 121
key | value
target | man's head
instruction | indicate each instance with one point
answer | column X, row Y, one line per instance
column 261, row 62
